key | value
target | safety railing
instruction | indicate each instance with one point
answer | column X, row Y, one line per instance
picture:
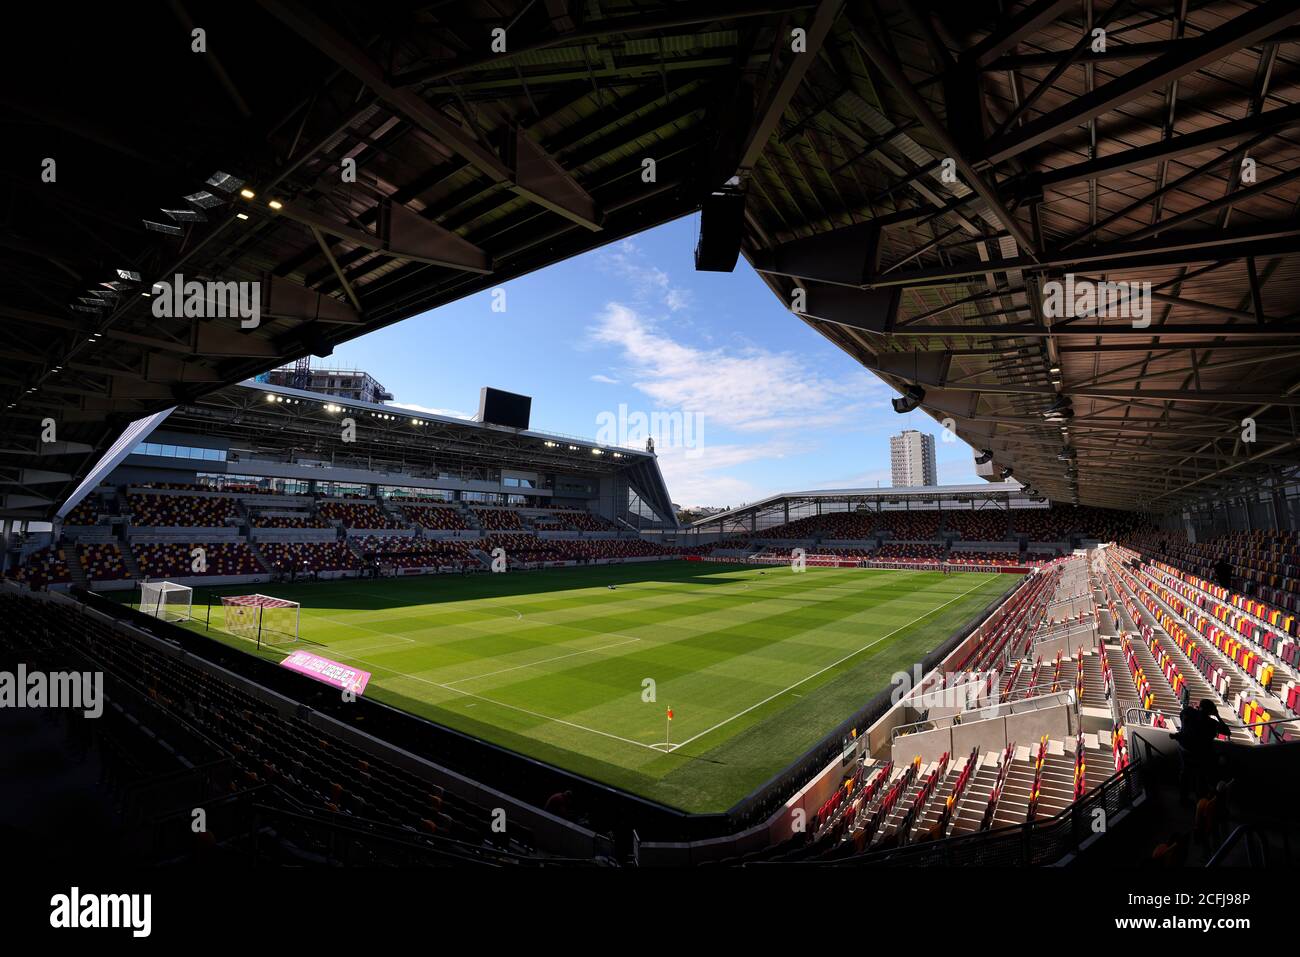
column 1034, row 843
column 1065, row 630
column 1256, row 848
column 1149, row 717
column 1000, row 710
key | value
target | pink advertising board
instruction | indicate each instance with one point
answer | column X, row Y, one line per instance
column 344, row 677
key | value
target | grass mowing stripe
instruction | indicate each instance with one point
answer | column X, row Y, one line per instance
column 544, row 661
column 714, row 638
column 500, row 704
column 821, row 671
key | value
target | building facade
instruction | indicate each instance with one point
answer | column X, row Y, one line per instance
column 911, row 459
column 344, row 383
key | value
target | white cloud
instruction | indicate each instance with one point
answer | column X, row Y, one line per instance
column 412, row 407
column 697, row 478
column 598, row 377
column 766, row 404
column 748, row 389
column 626, row 261
column 676, row 299
column 776, row 401
column 868, row 479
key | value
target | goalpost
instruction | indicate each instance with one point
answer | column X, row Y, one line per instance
column 167, row 600
column 261, row 618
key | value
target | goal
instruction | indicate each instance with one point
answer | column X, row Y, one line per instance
column 167, row 600
column 261, row 618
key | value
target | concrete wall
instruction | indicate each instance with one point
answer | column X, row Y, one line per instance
column 256, row 534
column 169, row 533
column 992, row 734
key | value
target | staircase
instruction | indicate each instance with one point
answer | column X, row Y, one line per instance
column 75, row 570
column 128, row 559
column 1094, row 685
column 968, row 816
column 256, row 549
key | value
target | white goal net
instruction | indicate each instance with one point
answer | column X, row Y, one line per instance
column 167, row 600
column 261, row 618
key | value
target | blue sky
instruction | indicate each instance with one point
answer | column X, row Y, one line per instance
column 774, row 406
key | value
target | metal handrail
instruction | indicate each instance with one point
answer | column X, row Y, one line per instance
column 1133, row 716
column 1035, row 690
column 978, row 714
column 1062, row 601
column 1235, row 723
column 1240, row 832
column 1023, row 833
column 1069, row 628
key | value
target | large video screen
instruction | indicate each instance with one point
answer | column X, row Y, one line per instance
column 504, row 408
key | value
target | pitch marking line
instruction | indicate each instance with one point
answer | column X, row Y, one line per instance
column 381, row 647
column 828, row 667
column 352, row 624
column 499, row 704
column 533, row 664
column 661, row 746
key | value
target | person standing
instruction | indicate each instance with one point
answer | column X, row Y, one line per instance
column 1200, row 726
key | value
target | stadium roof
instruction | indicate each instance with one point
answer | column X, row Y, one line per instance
column 266, row 422
column 472, row 167
column 979, row 491
column 921, row 170
column 936, row 172
column 242, row 410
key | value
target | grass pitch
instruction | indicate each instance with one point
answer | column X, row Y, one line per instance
column 756, row 663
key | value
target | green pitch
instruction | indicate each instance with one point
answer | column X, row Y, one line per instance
column 757, row 664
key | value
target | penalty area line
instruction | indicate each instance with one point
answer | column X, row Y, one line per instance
column 499, row 704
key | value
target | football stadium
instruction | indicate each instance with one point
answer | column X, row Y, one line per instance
column 260, row 611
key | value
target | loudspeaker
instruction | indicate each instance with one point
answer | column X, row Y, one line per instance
column 722, row 221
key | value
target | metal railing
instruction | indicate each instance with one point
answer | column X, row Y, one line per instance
column 988, row 712
column 1145, row 718
column 1141, row 717
column 1273, row 735
column 1065, row 630
column 1256, row 848
column 1034, row 843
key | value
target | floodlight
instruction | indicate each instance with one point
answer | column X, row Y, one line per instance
column 203, row 199
column 163, row 228
column 186, row 215
column 224, row 182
